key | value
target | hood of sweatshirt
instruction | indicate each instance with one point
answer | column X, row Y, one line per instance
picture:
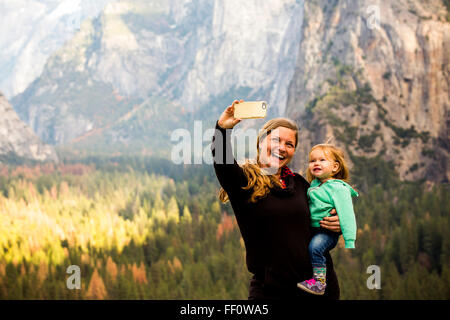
column 316, row 182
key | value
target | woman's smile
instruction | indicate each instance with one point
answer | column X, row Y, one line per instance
column 277, row 155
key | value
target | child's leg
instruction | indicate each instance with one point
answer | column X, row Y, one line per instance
column 320, row 243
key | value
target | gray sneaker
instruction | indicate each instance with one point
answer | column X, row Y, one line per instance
column 313, row 286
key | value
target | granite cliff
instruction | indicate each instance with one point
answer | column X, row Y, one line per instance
column 375, row 77
column 196, row 54
column 32, row 30
column 17, row 140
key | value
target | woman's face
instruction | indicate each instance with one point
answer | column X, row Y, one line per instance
column 278, row 148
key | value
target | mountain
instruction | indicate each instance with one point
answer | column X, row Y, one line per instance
column 17, row 140
column 143, row 130
column 195, row 54
column 376, row 78
column 31, row 31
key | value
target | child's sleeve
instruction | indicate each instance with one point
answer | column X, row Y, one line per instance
column 344, row 207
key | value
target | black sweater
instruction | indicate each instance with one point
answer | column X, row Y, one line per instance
column 275, row 229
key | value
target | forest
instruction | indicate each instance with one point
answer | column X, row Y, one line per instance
column 144, row 228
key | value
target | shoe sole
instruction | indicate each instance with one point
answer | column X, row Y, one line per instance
column 310, row 291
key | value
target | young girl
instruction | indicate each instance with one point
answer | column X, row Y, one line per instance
column 328, row 175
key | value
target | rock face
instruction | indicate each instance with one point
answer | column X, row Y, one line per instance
column 31, row 31
column 248, row 44
column 375, row 76
column 372, row 74
column 194, row 53
column 18, row 140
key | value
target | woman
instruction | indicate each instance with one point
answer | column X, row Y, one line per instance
column 271, row 209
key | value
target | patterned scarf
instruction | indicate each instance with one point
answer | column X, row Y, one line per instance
column 285, row 171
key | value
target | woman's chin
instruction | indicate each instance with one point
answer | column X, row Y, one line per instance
column 276, row 165
column 270, row 167
column 273, row 164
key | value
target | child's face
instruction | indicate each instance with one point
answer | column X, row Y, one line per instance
column 321, row 165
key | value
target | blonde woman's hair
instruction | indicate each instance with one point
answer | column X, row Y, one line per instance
column 335, row 154
column 257, row 181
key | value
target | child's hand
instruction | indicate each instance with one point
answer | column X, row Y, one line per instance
column 331, row 223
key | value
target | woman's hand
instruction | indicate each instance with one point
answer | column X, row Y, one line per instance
column 331, row 223
column 227, row 119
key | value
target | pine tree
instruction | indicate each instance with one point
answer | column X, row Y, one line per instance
column 96, row 289
column 173, row 212
column 186, row 214
column 111, row 269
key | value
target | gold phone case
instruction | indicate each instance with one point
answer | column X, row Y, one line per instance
column 250, row 110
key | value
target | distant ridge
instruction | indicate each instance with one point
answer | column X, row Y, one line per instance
column 17, row 140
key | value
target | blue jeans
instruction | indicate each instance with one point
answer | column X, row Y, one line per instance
column 321, row 242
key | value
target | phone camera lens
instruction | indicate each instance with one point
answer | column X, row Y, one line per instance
column 264, row 106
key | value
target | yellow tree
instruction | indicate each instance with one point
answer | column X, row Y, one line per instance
column 111, row 269
column 173, row 212
column 96, row 290
column 186, row 214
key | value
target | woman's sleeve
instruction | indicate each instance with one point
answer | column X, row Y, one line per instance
column 230, row 175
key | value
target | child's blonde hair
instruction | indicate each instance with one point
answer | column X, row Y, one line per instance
column 335, row 154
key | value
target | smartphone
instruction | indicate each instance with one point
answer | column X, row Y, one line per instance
column 250, row 110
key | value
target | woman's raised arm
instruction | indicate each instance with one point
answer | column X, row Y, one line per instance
column 230, row 175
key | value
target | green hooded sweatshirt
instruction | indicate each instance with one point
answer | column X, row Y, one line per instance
column 336, row 194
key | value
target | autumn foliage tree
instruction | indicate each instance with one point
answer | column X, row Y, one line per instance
column 149, row 230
